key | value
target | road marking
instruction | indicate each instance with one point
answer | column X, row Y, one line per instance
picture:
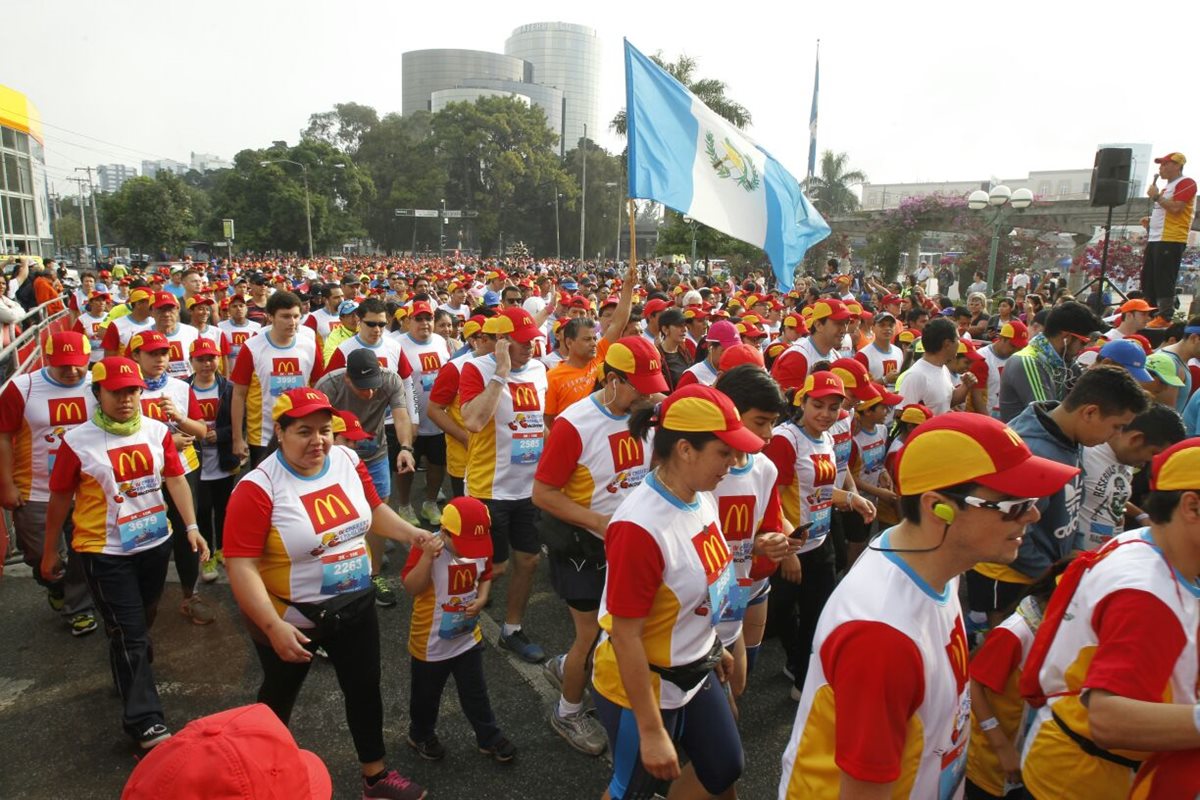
column 11, row 690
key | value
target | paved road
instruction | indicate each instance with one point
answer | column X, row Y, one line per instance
column 59, row 715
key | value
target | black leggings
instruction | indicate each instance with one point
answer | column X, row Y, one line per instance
column 795, row 608
column 187, row 563
column 211, row 502
column 354, row 653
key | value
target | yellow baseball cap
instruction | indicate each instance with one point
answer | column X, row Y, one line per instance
column 1177, row 468
column 696, row 408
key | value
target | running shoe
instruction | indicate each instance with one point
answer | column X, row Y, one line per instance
column 408, row 515
column 502, row 750
column 581, row 730
column 197, row 610
column 392, row 786
column 431, row 512
column 520, row 644
column 430, row 749
column 384, row 596
column 82, row 623
column 154, row 735
column 208, row 570
column 56, row 596
column 553, row 670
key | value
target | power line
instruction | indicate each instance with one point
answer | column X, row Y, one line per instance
column 86, row 136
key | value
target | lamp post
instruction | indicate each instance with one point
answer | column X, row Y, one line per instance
column 307, row 204
column 442, row 230
column 557, row 229
column 1002, row 199
column 692, row 223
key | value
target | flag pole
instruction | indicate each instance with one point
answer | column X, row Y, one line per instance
column 632, row 234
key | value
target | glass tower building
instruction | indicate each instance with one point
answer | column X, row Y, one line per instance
column 566, row 57
column 423, row 72
column 24, row 201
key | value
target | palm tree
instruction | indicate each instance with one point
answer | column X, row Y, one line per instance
column 710, row 91
column 830, row 191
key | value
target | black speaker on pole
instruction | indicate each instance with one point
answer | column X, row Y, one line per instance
column 1110, row 176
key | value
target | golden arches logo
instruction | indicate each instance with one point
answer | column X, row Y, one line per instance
column 737, row 519
column 67, row 411
column 286, row 366
column 654, row 365
column 430, row 362
column 125, row 369
column 824, row 469
column 1013, row 437
column 480, row 530
column 524, row 396
column 323, row 507
column 713, row 554
column 461, row 578
column 67, row 347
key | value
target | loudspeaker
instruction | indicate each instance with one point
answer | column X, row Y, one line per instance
column 1110, row 176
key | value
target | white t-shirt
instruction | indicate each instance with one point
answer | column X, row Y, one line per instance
column 1107, row 484
column 927, row 384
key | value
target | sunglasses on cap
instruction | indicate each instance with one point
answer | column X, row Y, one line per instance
column 1010, row 510
column 374, row 324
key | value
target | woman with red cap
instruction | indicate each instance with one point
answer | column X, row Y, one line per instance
column 300, row 569
column 670, row 579
column 589, row 465
column 113, row 468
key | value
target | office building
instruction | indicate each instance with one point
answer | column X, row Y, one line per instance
column 207, row 162
column 151, row 168
column 566, row 57
column 24, row 195
column 111, row 177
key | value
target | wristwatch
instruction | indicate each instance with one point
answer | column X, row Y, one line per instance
column 405, row 448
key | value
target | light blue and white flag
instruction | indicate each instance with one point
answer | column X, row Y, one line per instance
column 685, row 156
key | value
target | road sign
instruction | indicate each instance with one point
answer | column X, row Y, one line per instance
column 227, row 228
column 453, row 214
column 425, row 212
column 220, row 244
column 404, row 212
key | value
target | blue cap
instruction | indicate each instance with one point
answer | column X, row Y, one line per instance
column 347, row 307
column 491, row 299
column 1129, row 355
column 570, row 286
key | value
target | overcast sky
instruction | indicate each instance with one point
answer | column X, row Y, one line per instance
column 922, row 91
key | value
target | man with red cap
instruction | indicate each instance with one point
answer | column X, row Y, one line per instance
column 36, row 411
column 1168, row 225
column 828, row 325
column 901, row 598
column 180, row 335
column 1012, row 336
column 1112, row 672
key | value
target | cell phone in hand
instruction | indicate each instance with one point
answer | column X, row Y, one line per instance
column 801, row 531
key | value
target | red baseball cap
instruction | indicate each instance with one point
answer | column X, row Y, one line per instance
column 301, row 402
column 1177, row 468
column 516, row 324
column 244, row 753
column 890, row 300
column 960, row 447
column 203, row 347
column 653, row 307
column 165, row 300
column 1178, row 158
column 470, row 527
column 149, row 341
column 347, row 425
column 699, row 409
column 115, row 373
column 873, row 394
column 1016, row 331
column 67, row 349
column 830, row 309
column 421, row 307
column 741, row 354
column 751, row 331
column 641, row 363
column 853, row 374
column 200, row 300
column 820, row 384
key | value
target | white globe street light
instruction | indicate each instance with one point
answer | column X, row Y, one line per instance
column 999, row 197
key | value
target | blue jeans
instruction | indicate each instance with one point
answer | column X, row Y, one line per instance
column 381, row 476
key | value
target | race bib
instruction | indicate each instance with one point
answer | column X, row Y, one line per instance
column 873, row 457
column 177, row 369
column 526, row 438
column 720, row 593
column 455, row 621
column 819, row 515
column 345, row 572
column 281, row 383
column 427, row 379
column 141, row 527
column 739, row 599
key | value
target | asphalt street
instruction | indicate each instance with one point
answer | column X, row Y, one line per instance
column 60, row 723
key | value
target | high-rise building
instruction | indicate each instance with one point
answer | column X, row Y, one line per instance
column 151, row 168
column 24, row 195
column 207, row 162
column 423, row 72
column 567, row 57
column 111, row 177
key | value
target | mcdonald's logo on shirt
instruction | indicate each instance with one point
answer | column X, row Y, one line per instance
column 627, row 452
column 713, row 552
column 285, row 366
column 736, row 513
column 824, row 468
column 956, row 651
column 240, row 338
column 67, row 410
column 151, row 409
column 460, row 578
column 131, row 462
column 430, row 362
column 328, row 508
column 176, row 351
column 524, row 397
column 209, row 409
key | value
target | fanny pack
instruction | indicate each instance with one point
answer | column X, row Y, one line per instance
column 1093, row 749
column 331, row 616
column 689, row 676
column 567, row 541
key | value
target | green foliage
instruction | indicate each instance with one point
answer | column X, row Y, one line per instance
column 675, row 238
column 344, row 127
column 155, row 213
column 603, row 202
column 400, row 155
column 830, row 190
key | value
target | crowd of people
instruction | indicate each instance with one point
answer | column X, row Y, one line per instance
column 701, row 465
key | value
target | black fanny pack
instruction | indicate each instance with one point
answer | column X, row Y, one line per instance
column 1093, row 749
column 567, row 541
column 337, row 613
column 689, row 676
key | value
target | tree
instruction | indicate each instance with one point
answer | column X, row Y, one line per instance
column 603, row 169
column 710, row 91
column 155, row 213
column 496, row 153
column 400, row 156
column 830, row 191
column 344, row 127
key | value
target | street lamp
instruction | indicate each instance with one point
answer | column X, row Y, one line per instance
column 557, row 230
column 442, row 231
column 691, row 222
column 1002, row 199
column 307, row 205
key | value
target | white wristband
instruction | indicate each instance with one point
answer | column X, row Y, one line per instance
column 988, row 724
column 497, row 379
column 1142, row 518
column 192, row 527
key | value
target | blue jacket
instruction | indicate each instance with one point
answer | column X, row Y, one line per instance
column 1191, row 415
column 1054, row 535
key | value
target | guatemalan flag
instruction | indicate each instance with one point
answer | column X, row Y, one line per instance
column 685, row 156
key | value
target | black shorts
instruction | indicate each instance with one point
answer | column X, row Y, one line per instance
column 432, row 448
column 579, row 582
column 514, row 526
column 988, row 594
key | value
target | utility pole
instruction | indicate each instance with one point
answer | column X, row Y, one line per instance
column 583, row 202
column 82, row 219
column 95, row 219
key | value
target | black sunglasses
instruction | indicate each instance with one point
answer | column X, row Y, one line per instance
column 374, row 324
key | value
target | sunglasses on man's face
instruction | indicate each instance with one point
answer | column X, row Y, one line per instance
column 375, row 324
column 1010, row 510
